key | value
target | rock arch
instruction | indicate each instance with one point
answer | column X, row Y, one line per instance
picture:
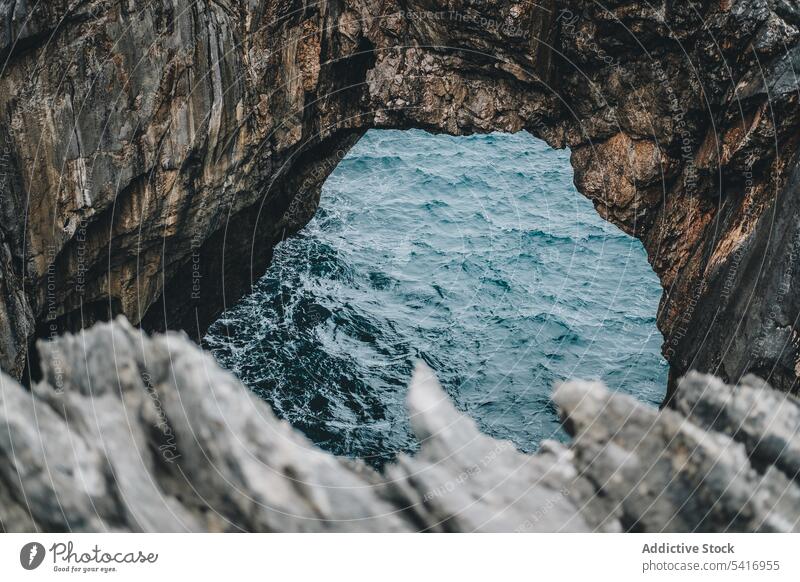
column 153, row 155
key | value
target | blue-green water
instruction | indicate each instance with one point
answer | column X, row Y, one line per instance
column 475, row 254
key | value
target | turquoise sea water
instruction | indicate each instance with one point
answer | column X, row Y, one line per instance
column 475, row 254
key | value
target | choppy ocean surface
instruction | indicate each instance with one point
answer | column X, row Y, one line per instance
column 475, row 254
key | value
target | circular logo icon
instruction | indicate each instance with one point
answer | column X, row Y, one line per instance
column 31, row 555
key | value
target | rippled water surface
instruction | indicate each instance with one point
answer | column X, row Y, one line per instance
column 475, row 254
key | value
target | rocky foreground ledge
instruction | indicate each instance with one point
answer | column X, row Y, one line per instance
column 127, row 432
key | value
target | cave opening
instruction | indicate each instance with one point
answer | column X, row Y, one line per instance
column 475, row 254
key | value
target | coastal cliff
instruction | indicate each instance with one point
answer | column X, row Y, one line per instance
column 134, row 433
column 153, row 153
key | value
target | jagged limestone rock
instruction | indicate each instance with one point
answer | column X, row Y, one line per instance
column 127, row 432
column 665, row 472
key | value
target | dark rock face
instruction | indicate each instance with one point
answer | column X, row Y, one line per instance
column 134, row 433
column 153, row 153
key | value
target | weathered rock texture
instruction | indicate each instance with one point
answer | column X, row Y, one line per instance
column 154, row 152
column 127, row 432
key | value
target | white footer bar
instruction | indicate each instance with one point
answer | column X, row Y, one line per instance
column 406, row 557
